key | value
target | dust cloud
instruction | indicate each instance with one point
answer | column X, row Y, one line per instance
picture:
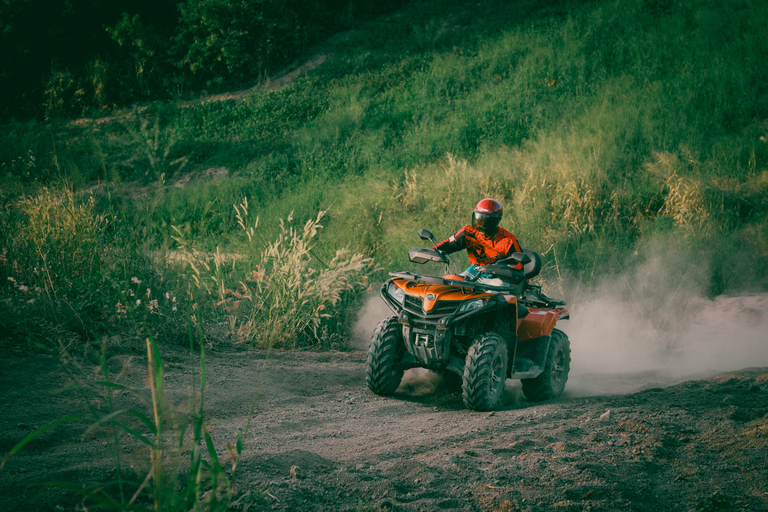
column 649, row 327
column 653, row 327
column 373, row 311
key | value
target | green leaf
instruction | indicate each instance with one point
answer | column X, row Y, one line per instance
column 212, row 450
column 135, row 434
column 150, row 425
column 65, row 389
column 104, row 419
column 36, row 433
column 158, row 369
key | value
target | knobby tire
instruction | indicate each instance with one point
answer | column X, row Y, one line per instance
column 384, row 352
column 551, row 382
column 485, row 372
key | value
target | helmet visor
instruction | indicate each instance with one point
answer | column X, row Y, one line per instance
column 486, row 223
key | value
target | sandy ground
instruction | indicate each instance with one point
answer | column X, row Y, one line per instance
column 647, row 439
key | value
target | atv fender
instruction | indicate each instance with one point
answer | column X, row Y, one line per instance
column 538, row 323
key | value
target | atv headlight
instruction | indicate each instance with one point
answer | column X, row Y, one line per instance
column 397, row 293
column 471, row 305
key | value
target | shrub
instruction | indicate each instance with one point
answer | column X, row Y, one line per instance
column 143, row 55
column 157, row 144
column 280, row 298
column 65, row 266
column 64, row 95
column 53, row 251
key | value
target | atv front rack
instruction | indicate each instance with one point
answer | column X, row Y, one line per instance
column 478, row 287
column 532, row 296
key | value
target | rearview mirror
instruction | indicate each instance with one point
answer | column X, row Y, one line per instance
column 425, row 234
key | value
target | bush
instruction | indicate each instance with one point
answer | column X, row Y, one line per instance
column 53, row 256
column 66, row 266
column 279, row 298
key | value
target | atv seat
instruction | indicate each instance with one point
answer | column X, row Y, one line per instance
column 530, row 270
column 533, row 267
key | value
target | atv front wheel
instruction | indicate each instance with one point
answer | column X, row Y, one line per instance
column 485, row 372
column 551, row 382
column 386, row 348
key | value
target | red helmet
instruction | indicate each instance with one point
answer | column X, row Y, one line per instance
column 487, row 216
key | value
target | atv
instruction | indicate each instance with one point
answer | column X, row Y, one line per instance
column 479, row 328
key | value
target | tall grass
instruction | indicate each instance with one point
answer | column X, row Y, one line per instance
column 69, row 269
column 172, row 462
column 54, row 249
column 602, row 127
column 285, row 295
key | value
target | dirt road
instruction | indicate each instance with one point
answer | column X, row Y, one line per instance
column 697, row 445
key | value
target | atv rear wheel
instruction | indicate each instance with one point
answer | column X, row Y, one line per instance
column 551, row 382
column 485, row 372
column 386, row 349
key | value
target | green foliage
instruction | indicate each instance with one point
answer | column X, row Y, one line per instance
column 278, row 296
column 221, row 37
column 66, row 267
column 63, row 95
column 156, row 145
column 69, row 94
column 53, row 257
column 96, row 54
column 143, row 55
column 163, row 454
column 602, row 127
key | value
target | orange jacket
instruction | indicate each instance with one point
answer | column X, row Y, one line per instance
column 481, row 249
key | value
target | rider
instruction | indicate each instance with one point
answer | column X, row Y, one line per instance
column 484, row 240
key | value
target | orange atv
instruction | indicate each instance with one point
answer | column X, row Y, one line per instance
column 481, row 327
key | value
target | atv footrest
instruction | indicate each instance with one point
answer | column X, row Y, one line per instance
column 525, row 369
column 530, row 356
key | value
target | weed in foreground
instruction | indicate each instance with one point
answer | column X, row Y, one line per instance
column 169, row 446
column 157, row 146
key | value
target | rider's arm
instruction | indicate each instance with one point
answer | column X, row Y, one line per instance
column 456, row 243
column 512, row 241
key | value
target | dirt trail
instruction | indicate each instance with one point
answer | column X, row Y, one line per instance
column 638, row 435
column 313, row 58
column 697, row 445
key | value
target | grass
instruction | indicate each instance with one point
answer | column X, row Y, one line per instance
column 70, row 269
column 287, row 294
column 605, row 128
column 163, row 454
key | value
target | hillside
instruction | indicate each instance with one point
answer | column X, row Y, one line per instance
column 628, row 143
column 603, row 127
